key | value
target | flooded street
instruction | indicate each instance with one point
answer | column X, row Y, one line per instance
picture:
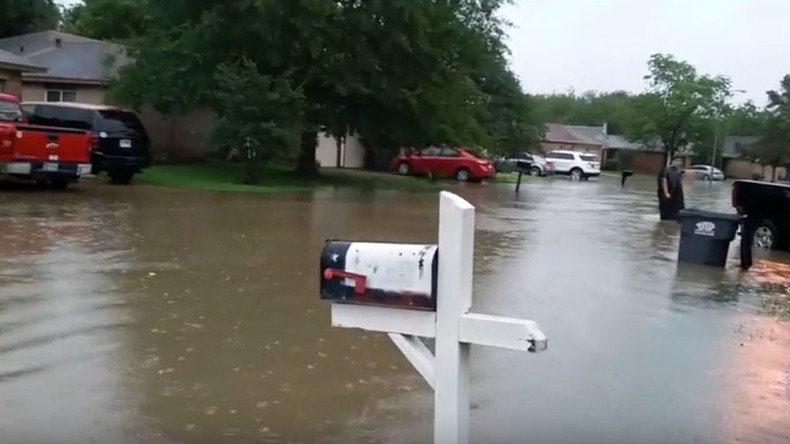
column 149, row 314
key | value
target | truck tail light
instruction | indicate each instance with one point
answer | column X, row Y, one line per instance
column 94, row 142
column 7, row 136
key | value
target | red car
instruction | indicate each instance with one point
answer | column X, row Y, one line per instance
column 444, row 161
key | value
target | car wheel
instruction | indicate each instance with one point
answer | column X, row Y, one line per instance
column 765, row 235
column 577, row 174
column 534, row 171
column 462, row 175
column 121, row 177
column 404, row 168
column 705, row 177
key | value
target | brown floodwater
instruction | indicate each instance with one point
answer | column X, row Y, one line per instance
column 149, row 314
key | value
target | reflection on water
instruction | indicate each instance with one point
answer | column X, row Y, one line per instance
column 150, row 314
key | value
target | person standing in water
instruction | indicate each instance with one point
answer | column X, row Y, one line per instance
column 670, row 191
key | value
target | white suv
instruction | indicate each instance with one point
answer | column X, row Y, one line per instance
column 580, row 166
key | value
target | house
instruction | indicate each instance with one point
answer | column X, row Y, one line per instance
column 351, row 152
column 12, row 68
column 614, row 150
column 77, row 68
column 738, row 162
column 584, row 139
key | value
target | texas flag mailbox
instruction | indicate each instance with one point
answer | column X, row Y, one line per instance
column 379, row 273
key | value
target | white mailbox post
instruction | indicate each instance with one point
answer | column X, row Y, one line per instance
column 452, row 325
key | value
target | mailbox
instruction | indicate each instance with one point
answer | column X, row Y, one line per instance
column 378, row 273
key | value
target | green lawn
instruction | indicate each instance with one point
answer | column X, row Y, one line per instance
column 223, row 176
column 510, row 178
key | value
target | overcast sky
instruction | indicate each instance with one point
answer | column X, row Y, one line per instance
column 604, row 44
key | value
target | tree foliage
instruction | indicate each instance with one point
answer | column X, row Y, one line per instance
column 679, row 110
column 678, row 103
column 746, row 120
column 398, row 73
column 25, row 16
column 117, row 20
column 591, row 108
column 259, row 115
column 774, row 148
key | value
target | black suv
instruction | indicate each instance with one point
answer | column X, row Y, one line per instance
column 120, row 144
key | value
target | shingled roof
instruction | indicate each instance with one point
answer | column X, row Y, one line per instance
column 588, row 135
column 66, row 56
column 12, row 61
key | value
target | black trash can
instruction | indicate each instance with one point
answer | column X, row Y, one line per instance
column 705, row 236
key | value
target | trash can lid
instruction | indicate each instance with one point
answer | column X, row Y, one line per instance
column 693, row 212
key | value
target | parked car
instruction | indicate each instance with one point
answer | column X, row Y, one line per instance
column 540, row 166
column 704, row 172
column 47, row 155
column 509, row 164
column 444, row 161
column 766, row 207
column 579, row 166
column 120, row 143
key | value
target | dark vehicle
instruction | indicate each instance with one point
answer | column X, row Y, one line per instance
column 120, row 144
column 766, row 207
column 509, row 164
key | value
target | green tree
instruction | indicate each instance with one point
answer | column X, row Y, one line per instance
column 678, row 102
column 774, row 148
column 746, row 120
column 398, row 73
column 259, row 116
column 117, row 20
column 24, row 16
column 591, row 108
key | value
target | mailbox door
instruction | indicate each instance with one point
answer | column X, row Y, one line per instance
column 376, row 273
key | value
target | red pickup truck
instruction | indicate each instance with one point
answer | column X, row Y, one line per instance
column 52, row 156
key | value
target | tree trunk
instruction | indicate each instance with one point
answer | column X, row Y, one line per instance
column 306, row 166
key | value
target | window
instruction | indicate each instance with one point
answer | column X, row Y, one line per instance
column 589, row 158
column 431, row 151
column 561, row 156
column 60, row 116
column 75, row 118
column 9, row 111
column 57, row 95
column 120, row 122
column 449, row 152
